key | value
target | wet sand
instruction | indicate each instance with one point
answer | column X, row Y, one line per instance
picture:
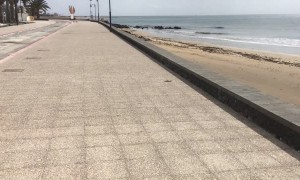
column 277, row 75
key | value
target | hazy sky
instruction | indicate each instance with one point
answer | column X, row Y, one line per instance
column 179, row 7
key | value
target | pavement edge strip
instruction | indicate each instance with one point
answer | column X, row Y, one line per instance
column 280, row 119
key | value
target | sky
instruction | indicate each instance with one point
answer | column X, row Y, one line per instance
column 178, row 7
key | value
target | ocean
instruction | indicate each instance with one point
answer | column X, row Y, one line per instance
column 273, row 33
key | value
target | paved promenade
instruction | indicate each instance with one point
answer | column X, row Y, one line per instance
column 83, row 104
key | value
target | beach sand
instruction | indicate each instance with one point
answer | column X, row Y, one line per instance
column 277, row 75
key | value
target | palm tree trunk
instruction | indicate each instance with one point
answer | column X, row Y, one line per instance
column 1, row 12
column 7, row 11
column 12, row 14
column 21, row 11
column 16, row 13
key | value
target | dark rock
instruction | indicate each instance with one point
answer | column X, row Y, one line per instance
column 141, row 27
column 159, row 27
column 145, row 27
column 166, row 27
column 120, row 26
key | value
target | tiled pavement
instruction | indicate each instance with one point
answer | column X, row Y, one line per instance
column 90, row 106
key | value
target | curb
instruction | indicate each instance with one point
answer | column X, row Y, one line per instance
column 278, row 118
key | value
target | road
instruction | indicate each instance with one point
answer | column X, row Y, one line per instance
column 15, row 38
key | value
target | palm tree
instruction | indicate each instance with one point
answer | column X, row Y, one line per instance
column 1, row 10
column 7, row 12
column 16, row 11
column 11, row 10
column 35, row 6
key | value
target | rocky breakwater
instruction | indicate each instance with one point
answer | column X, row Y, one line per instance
column 166, row 27
column 121, row 26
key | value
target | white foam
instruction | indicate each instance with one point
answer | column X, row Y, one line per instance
column 262, row 41
column 283, row 42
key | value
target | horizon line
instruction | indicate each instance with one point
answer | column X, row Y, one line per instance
column 183, row 15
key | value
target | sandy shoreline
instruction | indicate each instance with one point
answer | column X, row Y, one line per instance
column 275, row 74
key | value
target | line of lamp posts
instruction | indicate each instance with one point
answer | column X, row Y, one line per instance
column 91, row 13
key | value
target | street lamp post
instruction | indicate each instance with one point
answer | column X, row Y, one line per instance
column 98, row 11
column 91, row 9
column 110, row 15
column 95, row 11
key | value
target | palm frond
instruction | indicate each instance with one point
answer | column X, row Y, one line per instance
column 34, row 6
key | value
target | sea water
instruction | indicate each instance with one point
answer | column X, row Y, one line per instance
column 275, row 33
